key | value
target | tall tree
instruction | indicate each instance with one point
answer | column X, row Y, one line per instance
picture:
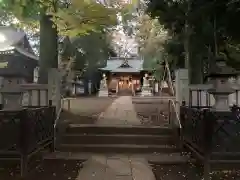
column 204, row 27
column 151, row 38
column 71, row 18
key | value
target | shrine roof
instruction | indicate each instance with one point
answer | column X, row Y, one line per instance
column 14, row 39
column 124, row 65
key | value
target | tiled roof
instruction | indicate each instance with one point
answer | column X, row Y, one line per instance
column 114, row 65
column 10, row 39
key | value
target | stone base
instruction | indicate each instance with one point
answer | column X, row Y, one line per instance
column 221, row 103
column 146, row 92
column 103, row 93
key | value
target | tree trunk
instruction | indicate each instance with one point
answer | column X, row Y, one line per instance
column 48, row 47
column 196, row 63
column 187, row 33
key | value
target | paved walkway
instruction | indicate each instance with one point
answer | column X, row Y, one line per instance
column 121, row 112
column 116, row 168
column 119, row 167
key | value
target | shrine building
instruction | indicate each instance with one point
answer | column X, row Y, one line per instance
column 124, row 75
column 17, row 59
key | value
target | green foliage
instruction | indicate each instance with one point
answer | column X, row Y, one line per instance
column 209, row 27
column 82, row 17
column 72, row 19
column 151, row 38
column 91, row 51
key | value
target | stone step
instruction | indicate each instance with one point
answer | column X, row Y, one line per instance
column 117, row 139
column 103, row 94
column 117, row 129
column 152, row 158
column 117, row 148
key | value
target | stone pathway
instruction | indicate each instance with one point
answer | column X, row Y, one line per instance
column 121, row 112
column 116, row 168
column 119, row 167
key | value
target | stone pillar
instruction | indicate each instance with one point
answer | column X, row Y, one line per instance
column 146, row 89
column 182, row 86
column 54, row 87
column 89, row 87
column 36, row 74
column 238, row 92
column 103, row 91
column 156, row 88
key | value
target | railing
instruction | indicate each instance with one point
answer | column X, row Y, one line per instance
column 211, row 136
column 133, row 89
column 194, row 126
column 117, row 89
column 200, row 97
column 35, row 95
column 173, row 113
column 60, row 110
column 159, row 105
column 23, row 133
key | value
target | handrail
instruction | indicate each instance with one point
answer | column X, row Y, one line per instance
column 117, row 88
column 59, row 112
column 175, row 110
column 170, row 100
column 133, row 90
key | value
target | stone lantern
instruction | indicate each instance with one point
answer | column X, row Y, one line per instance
column 146, row 89
column 103, row 91
column 219, row 76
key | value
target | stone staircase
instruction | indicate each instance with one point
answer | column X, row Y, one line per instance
column 117, row 139
column 125, row 92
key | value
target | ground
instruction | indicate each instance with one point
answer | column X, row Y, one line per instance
column 189, row 171
column 112, row 111
column 152, row 114
column 48, row 170
column 117, row 167
column 148, row 114
column 85, row 110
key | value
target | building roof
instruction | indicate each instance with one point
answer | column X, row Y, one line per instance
column 13, row 39
column 124, row 65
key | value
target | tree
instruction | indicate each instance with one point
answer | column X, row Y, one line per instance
column 75, row 18
column 83, row 17
column 151, row 38
column 203, row 27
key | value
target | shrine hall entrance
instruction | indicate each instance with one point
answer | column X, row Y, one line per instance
column 128, row 85
column 124, row 83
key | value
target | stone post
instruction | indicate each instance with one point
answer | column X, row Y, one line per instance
column 54, row 87
column 146, row 89
column 103, row 91
column 182, row 86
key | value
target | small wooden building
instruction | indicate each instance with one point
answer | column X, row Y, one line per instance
column 17, row 58
column 124, row 74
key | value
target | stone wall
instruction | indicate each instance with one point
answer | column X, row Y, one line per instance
column 34, row 94
column 197, row 95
